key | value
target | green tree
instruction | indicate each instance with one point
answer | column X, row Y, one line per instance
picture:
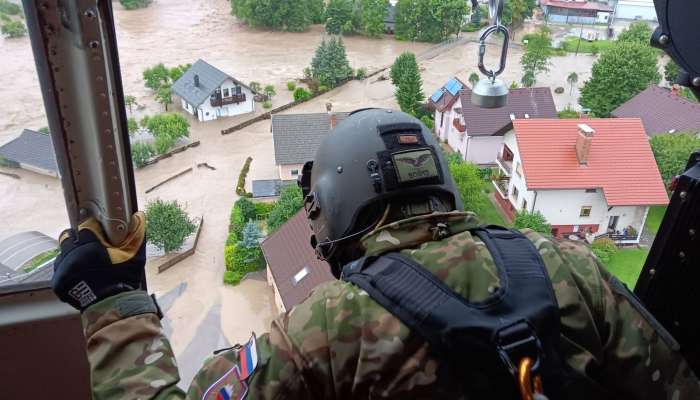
column 166, row 128
column 141, row 153
column 317, row 9
column 287, row 15
column 164, row 96
column 13, row 29
column 248, row 249
column 373, row 13
column 255, row 86
column 270, row 91
column 604, row 248
column 672, row 151
column 339, row 15
column 44, row 130
column 330, row 64
column 132, row 125
column 671, row 71
column 10, row 8
column 638, row 32
column 130, row 102
column 474, row 78
column 156, row 76
column 468, row 181
column 528, row 79
column 176, row 73
column 301, row 94
column 167, row 225
column 619, row 74
column 572, row 79
column 289, row 203
column 538, row 51
column 535, row 221
column 134, row 4
column 429, row 20
column 406, row 77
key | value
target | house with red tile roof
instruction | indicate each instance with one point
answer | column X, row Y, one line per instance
column 477, row 133
column 293, row 270
column 662, row 111
column 588, row 177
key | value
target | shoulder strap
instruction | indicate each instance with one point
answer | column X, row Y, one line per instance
column 520, row 319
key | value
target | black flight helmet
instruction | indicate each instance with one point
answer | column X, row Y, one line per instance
column 372, row 158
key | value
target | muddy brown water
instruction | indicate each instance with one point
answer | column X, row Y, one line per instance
column 181, row 31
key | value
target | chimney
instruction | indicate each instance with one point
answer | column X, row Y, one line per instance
column 512, row 117
column 196, row 80
column 583, row 143
column 334, row 119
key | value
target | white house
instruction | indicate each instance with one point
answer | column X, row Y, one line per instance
column 477, row 133
column 635, row 10
column 588, row 177
column 208, row 93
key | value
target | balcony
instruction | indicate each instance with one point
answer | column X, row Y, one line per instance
column 224, row 101
column 501, row 186
column 457, row 123
column 506, row 166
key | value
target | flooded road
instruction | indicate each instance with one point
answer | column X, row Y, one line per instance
column 178, row 32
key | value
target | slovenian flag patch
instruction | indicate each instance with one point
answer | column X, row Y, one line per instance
column 248, row 358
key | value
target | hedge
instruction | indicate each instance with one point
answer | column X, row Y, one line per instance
column 240, row 187
column 263, row 209
column 604, row 248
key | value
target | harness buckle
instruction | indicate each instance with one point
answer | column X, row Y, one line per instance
column 516, row 342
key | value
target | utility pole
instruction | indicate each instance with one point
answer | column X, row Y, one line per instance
column 579, row 40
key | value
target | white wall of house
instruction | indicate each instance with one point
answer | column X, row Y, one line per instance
column 634, row 9
column 563, row 206
column 482, row 150
column 38, row 170
column 287, row 171
column 443, row 122
column 205, row 112
column 278, row 298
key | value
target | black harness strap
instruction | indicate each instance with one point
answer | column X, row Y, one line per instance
column 521, row 318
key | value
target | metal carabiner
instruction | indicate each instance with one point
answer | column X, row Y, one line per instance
column 530, row 386
column 504, row 51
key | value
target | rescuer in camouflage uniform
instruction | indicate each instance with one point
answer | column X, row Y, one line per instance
column 339, row 343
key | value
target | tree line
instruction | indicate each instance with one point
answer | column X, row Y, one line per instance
column 421, row 20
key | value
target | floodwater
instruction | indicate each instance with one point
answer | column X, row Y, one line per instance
column 181, row 31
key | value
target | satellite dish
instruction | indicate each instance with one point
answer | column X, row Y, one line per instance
column 490, row 93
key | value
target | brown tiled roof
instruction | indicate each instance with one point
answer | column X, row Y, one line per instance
column 535, row 102
column 661, row 111
column 287, row 252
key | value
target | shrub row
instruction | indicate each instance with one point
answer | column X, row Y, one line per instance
column 240, row 187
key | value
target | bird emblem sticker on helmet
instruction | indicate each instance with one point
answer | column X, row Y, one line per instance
column 415, row 165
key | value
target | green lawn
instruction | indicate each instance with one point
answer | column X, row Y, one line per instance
column 487, row 211
column 656, row 214
column 627, row 264
column 570, row 43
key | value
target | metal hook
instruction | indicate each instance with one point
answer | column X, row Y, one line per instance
column 495, row 11
column 504, row 50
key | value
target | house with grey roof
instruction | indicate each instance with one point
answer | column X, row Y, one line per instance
column 209, row 93
column 477, row 133
column 32, row 151
column 662, row 111
column 297, row 137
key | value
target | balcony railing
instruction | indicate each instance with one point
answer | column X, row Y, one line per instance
column 223, row 101
column 501, row 186
column 615, row 237
column 507, row 166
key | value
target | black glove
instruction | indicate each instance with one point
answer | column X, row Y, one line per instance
column 89, row 269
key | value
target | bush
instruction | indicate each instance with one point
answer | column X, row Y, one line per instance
column 167, row 225
column 361, row 73
column 247, row 208
column 323, row 89
column 604, row 248
column 301, row 94
column 13, row 29
column 141, row 153
column 568, row 113
column 267, row 104
column 263, row 209
column 291, row 86
column 255, row 86
column 427, row 121
column 236, row 224
column 232, row 277
column 132, row 125
column 134, row 4
column 229, row 256
column 9, row 8
column 559, row 90
column 289, row 203
column 535, row 221
column 270, row 90
column 240, row 187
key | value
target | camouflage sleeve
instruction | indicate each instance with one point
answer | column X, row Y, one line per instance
column 633, row 354
column 129, row 356
column 642, row 358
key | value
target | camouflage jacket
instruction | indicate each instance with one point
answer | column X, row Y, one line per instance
column 339, row 343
